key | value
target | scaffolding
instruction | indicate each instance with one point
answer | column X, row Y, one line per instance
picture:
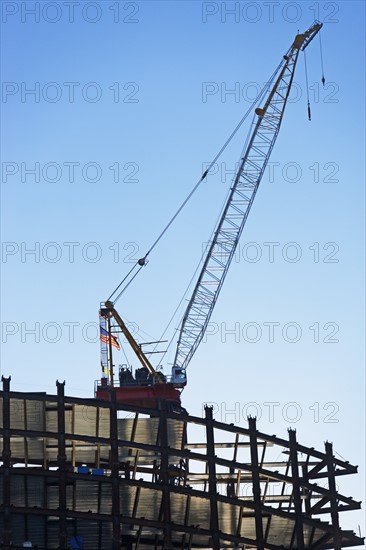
column 92, row 474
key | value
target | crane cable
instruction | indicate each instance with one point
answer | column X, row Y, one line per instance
column 127, row 361
column 218, row 155
column 321, row 58
column 307, row 86
column 204, row 175
column 174, row 314
column 129, row 282
column 193, row 276
column 123, row 280
column 306, row 73
column 142, row 261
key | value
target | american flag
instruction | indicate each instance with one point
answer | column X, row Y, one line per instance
column 105, row 336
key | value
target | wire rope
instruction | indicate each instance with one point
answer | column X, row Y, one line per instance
column 142, row 261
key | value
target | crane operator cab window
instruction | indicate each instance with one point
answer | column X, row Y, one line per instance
column 179, row 377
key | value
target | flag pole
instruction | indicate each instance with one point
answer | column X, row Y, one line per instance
column 110, row 351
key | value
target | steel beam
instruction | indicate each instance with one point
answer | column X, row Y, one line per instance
column 256, row 484
column 333, row 496
column 6, row 459
column 164, row 477
column 61, row 463
column 114, row 465
column 212, row 488
column 299, row 530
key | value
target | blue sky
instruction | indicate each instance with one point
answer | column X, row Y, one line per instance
column 147, row 89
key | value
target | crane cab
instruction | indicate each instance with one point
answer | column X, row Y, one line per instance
column 179, row 377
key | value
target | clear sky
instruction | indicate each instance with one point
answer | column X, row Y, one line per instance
column 109, row 112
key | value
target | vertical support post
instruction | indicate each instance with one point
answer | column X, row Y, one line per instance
column 61, row 463
column 296, row 490
column 100, row 523
column 212, row 488
column 306, row 491
column 337, row 542
column 256, row 483
column 164, row 476
column 116, row 541
column 44, row 505
column 6, row 458
column 26, row 516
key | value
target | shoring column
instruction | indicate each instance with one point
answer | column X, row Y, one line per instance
column 256, row 483
column 214, row 515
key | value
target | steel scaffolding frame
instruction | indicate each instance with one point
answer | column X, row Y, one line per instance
column 73, row 466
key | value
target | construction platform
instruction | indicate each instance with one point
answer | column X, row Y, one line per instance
column 92, row 474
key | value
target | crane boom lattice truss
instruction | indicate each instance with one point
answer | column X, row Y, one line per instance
column 242, row 193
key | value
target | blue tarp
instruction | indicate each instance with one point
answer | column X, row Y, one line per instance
column 77, row 543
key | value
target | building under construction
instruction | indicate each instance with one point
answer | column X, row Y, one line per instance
column 98, row 475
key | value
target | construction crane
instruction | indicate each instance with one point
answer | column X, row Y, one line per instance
column 149, row 386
